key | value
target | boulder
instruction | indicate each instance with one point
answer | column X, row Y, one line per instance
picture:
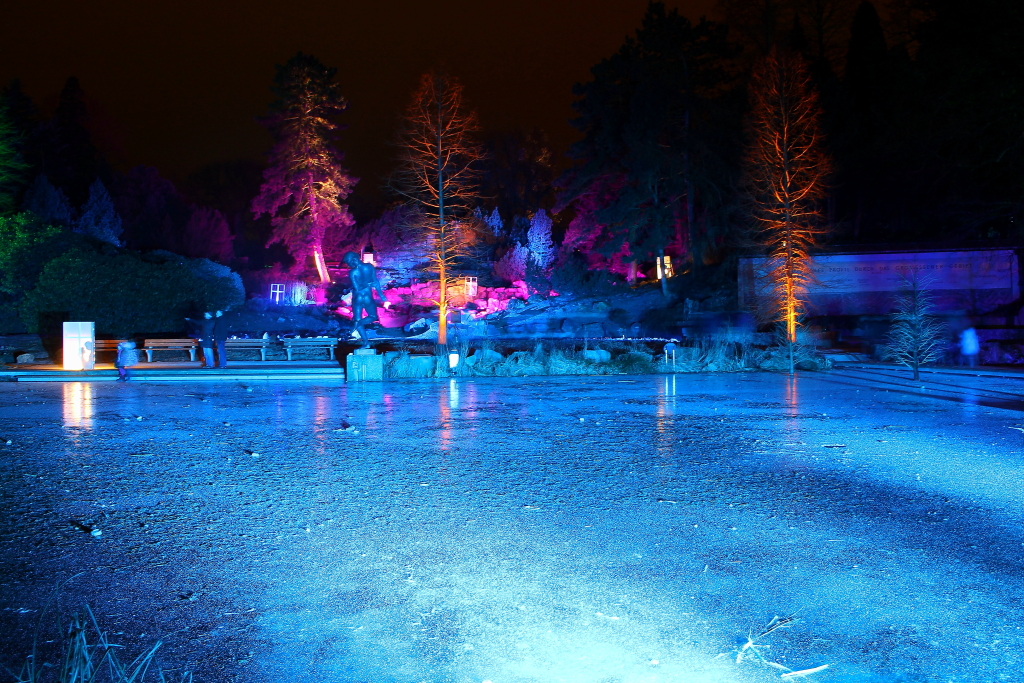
column 25, row 358
column 597, row 355
column 488, row 356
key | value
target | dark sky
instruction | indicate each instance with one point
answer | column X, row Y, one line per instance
column 179, row 84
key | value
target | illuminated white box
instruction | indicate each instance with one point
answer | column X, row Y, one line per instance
column 79, row 346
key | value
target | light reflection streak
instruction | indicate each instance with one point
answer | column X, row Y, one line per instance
column 78, row 404
column 665, row 442
column 449, row 399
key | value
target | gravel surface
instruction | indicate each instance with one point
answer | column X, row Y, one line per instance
column 579, row 529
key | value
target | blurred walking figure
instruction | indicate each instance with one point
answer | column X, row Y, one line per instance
column 204, row 330
column 220, row 335
column 969, row 347
column 127, row 356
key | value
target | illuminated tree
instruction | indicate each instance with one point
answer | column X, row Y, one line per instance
column 304, row 184
column 436, row 172
column 787, row 169
column 916, row 337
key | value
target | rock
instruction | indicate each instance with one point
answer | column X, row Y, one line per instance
column 597, row 355
column 536, row 299
column 611, row 329
column 95, row 533
column 25, row 358
column 484, row 356
column 417, row 326
column 515, row 305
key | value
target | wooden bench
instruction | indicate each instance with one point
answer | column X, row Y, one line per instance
column 260, row 345
column 291, row 343
column 104, row 345
column 152, row 345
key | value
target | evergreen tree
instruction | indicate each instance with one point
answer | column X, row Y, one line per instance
column 207, row 235
column 864, row 138
column 69, row 157
column 495, row 223
column 99, row 219
column 517, row 173
column 916, row 337
column 153, row 211
column 513, row 264
column 652, row 124
column 304, row 183
column 12, row 166
column 538, row 240
column 48, row 203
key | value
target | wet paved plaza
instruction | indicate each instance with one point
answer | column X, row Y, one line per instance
column 583, row 529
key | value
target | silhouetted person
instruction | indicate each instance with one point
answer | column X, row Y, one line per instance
column 127, row 356
column 220, row 335
column 364, row 282
column 204, row 331
column 969, row 347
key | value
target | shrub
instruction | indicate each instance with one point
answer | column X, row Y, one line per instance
column 573, row 276
column 124, row 293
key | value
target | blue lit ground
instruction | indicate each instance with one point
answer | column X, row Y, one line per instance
column 587, row 530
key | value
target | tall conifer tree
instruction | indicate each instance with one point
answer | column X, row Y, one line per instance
column 787, row 169
column 12, row 166
column 305, row 183
column 653, row 150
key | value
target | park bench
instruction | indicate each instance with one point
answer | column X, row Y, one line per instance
column 260, row 345
column 152, row 345
column 107, row 345
column 292, row 343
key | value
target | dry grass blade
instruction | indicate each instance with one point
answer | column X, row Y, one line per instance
column 83, row 662
column 805, row 672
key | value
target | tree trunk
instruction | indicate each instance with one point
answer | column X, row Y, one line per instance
column 662, row 273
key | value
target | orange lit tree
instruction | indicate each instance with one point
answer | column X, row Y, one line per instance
column 304, row 183
column 787, row 169
column 436, row 173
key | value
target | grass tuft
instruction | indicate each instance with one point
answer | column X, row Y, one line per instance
column 88, row 656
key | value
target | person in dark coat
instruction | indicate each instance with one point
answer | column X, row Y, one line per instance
column 220, row 335
column 127, row 356
column 203, row 331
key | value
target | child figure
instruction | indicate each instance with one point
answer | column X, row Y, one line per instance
column 127, row 356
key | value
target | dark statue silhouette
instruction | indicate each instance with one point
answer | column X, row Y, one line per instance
column 364, row 282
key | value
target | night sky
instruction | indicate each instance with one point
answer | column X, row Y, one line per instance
column 178, row 85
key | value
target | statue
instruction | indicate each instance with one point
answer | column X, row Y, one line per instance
column 364, row 282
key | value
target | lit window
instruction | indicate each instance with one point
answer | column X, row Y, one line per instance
column 276, row 293
column 665, row 265
column 471, row 287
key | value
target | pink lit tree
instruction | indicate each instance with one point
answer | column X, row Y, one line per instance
column 304, row 184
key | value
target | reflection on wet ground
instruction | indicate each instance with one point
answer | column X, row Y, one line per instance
column 525, row 529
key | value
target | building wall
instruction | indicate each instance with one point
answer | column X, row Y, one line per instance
column 970, row 282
